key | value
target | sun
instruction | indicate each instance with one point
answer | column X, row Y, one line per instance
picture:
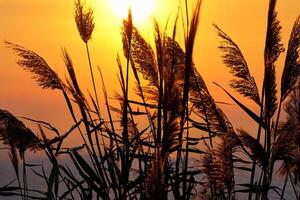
column 141, row 9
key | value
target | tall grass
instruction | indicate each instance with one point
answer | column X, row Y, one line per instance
column 121, row 159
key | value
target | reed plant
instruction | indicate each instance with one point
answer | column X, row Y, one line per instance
column 122, row 159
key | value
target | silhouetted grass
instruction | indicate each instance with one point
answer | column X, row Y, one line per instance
column 182, row 121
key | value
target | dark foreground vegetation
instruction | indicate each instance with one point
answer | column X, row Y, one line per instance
column 122, row 159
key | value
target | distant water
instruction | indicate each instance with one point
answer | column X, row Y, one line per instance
column 7, row 174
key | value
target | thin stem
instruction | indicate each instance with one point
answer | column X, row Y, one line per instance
column 92, row 74
column 25, row 178
column 124, row 163
column 256, row 150
column 277, row 119
column 184, row 176
column 293, row 185
column 187, row 16
column 284, row 186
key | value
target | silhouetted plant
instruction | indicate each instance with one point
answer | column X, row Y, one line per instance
column 276, row 145
column 182, row 121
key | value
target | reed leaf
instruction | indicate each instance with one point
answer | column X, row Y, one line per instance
column 245, row 108
column 53, row 179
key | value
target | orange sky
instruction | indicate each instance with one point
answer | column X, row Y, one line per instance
column 47, row 25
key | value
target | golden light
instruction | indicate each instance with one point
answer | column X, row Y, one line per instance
column 141, row 9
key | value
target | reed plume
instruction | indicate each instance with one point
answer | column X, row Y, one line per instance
column 14, row 133
column 224, row 153
column 291, row 69
column 205, row 107
column 233, row 58
column 173, row 78
column 287, row 150
column 218, row 165
column 287, row 146
column 144, row 58
column 127, row 30
column 209, row 168
column 32, row 62
column 273, row 48
column 174, row 65
column 84, row 18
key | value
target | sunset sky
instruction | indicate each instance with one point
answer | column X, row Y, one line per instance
column 45, row 26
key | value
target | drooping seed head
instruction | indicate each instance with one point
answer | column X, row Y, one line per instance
column 14, row 133
column 32, row 62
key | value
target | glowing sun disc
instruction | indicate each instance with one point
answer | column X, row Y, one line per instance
column 141, row 9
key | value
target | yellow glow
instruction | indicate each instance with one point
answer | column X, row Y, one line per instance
column 141, row 9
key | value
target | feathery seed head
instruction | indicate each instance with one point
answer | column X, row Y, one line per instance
column 127, row 33
column 30, row 61
column 84, row 18
column 233, row 58
column 291, row 71
column 15, row 134
column 129, row 25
